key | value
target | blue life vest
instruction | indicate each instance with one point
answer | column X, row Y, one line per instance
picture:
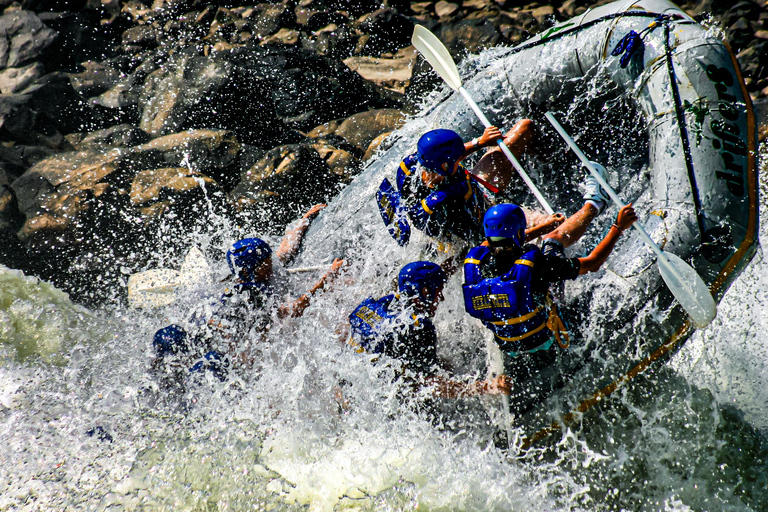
column 374, row 325
column 506, row 305
column 459, row 191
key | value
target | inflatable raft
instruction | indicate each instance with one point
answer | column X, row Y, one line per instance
column 680, row 106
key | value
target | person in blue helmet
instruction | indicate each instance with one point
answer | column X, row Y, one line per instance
column 248, row 306
column 400, row 326
column 443, row 199
column 506, row 282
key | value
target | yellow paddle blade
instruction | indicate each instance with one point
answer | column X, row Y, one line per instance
column 437, row 55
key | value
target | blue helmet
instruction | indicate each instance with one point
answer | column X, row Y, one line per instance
column 247, row 255
column 504, row 222
column 439, row 147
column 170, row 340
column 415, row 276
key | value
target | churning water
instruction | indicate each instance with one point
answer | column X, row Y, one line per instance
column 87, row 425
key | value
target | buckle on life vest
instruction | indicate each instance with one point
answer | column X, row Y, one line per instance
column 557, row 326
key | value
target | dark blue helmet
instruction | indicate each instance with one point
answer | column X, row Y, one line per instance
column 504, row 222
column 419, row 274
column 170, row 340
column 439, row 147
column 246, row 256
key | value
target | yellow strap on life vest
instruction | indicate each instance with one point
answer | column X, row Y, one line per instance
column 470, row 191
column 426, row 208
column 526, row 335
column 472, row 261
column 527, row 263
column 519, row 319
column 557, row 326
column 554, row 323
column 355, row 345
column 405, row 168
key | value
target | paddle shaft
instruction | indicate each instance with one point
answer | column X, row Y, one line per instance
column 662, row 259
column 515, row 163
column 296, row 270
column 611, row 193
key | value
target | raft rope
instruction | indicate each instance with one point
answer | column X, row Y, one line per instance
column 631, row 45
column 684, row 139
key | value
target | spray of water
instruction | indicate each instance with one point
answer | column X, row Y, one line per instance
column 87, row 423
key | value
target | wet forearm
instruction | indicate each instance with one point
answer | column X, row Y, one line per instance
column 599, row 254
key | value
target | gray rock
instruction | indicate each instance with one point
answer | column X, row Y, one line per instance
column 23, row 37
column 14, row 80
column 96, row 79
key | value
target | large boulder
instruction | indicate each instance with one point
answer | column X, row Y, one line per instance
column 393, row 73
column 212, row 152
column 155, row 191
column 121, row 135
column 256, row 91
column 13, row 80
column 361, row 129
column 62, row 197
column 23, row 38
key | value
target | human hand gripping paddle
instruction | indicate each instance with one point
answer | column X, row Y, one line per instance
column 682, row 280
column 437, row 55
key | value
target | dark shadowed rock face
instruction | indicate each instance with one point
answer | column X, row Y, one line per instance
column 256, row 91
column 121, row 135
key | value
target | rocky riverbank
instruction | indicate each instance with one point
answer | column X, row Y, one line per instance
column 125, row 124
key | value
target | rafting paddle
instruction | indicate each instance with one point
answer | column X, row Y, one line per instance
column 682, row 280
column 437, row 55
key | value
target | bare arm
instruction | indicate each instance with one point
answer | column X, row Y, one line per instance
column 599, row 254
column 446, row 388
column 549, row 225
column 488, row 138
column 297, row 308
column 291, row 242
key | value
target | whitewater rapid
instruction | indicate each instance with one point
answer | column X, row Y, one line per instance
column 85, row 425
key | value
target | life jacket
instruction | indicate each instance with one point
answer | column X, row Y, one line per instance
column 374, row 323
column 506, row 304
column 460, row 192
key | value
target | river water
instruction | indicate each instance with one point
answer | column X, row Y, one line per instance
column 85, row 423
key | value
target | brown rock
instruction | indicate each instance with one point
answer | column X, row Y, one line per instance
column 542, row 13
column 476, row 5
column 14, row 80
column 214, row 152
column 394, row 74
column 96, row 79
column 293, row 176
column 325, row 129
column 421, row 8
column 342, row 163
column 445, row 9
column 361, row 129
column 375, row 145
column 160, row 184
column 283, row 36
